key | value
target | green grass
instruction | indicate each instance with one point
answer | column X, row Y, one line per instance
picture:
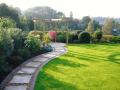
column 84, row 67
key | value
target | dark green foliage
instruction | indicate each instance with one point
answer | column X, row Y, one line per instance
column 73, row 36
column 98, row 35
column 84, row 22
column 84, row 37
column 18, row 37
column 14, row 60
column 6, row 11
column 24, row 53
column 4, row 68
column 6, row 42
column 46, row 49
column 61, row 37
column 115, row 39
column 7, row 23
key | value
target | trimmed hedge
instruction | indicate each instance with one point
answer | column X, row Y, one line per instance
column 84, row 37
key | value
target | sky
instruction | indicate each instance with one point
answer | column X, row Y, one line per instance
column 80, row 8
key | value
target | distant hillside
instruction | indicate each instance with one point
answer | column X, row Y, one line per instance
column 43, row 12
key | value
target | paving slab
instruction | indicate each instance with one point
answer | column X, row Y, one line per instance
column 20, row 87
column 21, row 79
column 49, row 55
column 43, row 59
column 55, row 53
column 34, row 64
column 26, row 70
column 60, row 50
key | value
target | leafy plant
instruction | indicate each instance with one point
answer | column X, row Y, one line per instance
column 7, row 23
column 6, row 42
column 24, row 53
column 46, row 39
column 98, row 35
column 33, row 43
column 84, row 37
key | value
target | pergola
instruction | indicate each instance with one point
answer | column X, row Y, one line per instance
column 55, row 23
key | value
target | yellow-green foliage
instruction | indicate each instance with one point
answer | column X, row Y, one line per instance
column 107, row 38
column 37, row 33
column 46, row 39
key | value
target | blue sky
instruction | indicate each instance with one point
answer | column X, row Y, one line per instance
column 80, row 8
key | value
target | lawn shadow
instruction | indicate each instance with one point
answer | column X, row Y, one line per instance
column 51, row 83
column 85, row 56
column 53, row 65
column 112, row 58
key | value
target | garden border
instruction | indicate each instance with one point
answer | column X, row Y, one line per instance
column 59, row 49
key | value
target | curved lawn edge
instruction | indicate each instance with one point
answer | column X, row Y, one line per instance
column 13, row 83
column 83, row 67
column 33, row 80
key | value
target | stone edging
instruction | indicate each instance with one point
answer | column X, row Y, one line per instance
column 24, row 76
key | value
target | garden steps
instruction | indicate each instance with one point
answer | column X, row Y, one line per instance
column 24, row 76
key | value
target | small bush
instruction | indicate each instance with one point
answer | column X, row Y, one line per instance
column 61, row 38
column 46, row 39
column 84, row 37
column 73, row 37
column 53, row 35
column 46, row 49
column 33, row 43
column 98, row 35
column 35, row 33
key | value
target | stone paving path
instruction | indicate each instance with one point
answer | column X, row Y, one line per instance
column 23, row 77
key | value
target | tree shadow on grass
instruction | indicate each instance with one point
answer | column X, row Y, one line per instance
column 53, row 65
column 82, row 56
column 112, row 58
column 48, row 82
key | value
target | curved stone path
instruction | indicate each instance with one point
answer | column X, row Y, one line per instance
column 23, row 77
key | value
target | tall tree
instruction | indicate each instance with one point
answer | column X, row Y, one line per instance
column 84, row 22
column 107, row 27
column 43, row 13
column 90, row 27
column 6, row 11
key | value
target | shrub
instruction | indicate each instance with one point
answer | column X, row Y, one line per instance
column 61, row 38
column 106, row 38
column 46, row 49
column 115, row 39
column 40, row 33
column 24, row 53
column 98, row 35
column 14, row 61
column 6, row 42
column 73, row 37
column 7, row 23
column 46, row 39
column 18, row 37
column 33, row 43
column 4, row 68
column 53, row 35
column 84, row 37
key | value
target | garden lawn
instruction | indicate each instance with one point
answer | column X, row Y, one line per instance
column 84, row 67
